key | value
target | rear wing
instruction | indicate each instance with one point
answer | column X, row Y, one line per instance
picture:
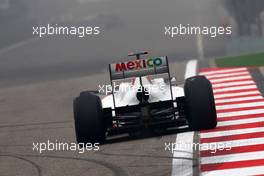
column 139, row 67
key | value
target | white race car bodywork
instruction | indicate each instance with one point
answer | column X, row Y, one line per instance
column 157, row 88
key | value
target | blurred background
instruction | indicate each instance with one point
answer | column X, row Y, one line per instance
column 125, row 26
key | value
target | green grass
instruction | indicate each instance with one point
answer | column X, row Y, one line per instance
column 244, row 60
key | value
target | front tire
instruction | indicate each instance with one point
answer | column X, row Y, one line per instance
column 200, row 104
column 88, row 117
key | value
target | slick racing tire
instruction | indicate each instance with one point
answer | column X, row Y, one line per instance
column 88, row 117
column 199, row 103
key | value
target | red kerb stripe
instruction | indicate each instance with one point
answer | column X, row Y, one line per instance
column 232, row 165
column 233, row 150
column 235, row 127
column 239, row 109
column 248, row 116
column 240, row 102
column 232, row 137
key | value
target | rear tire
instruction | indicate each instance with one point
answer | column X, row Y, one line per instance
column 200, row 104
column 88, row 117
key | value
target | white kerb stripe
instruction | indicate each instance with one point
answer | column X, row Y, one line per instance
column 231, row 132
column 246, row 171
column 226, row 75
column 237, row 94
column 229, row 79
column 242, row 105
column 222, row 71
column 238, row 113
column 236, row 143
column 233, row 84
column 235, row 88
column 242, row 121
column 232, row 157
column 238, row 99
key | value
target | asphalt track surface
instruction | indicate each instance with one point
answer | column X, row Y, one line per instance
column 42, row 112
column 36, row 106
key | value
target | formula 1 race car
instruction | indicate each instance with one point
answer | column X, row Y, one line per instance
column 144, row 99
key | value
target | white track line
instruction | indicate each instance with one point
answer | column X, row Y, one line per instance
column 18, row 45
column 242, row 105
column 222, row 71
column 238, row 99
column 232, row 157
column 231, row 132
column 191, row 69
column 234, row 88
column 236, row 172
column 183, row 167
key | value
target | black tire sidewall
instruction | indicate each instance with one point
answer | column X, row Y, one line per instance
column 88, row 117
column 200, row 104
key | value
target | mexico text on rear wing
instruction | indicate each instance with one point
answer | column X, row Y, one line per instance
column 139, row 67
